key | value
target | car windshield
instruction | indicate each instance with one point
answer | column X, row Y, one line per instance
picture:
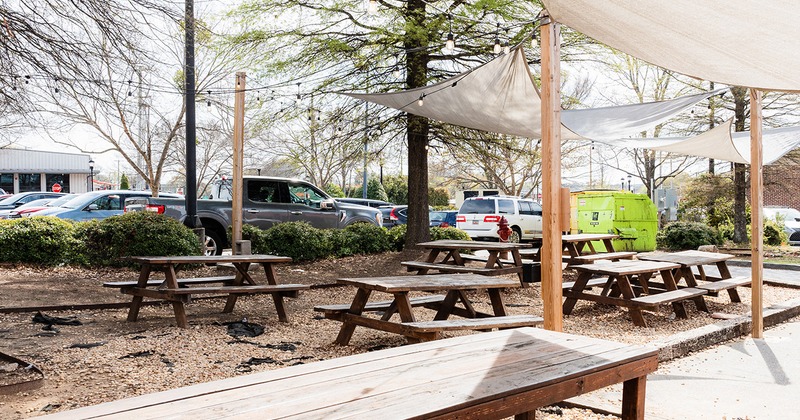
column 35, row 203
column 9, row 200
column 477, row 207
column 438, row 216
column 788, row 214
column 80, row 200
column 60, row 200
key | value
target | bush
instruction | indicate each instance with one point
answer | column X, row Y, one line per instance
column 774, row 233
column 687, row 235
column 397, row 237
column 359, row 238
column 451, row 233
column 37, row 240
column 298, row 240
column 136, row 233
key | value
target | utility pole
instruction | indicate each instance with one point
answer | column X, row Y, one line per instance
column 191, row 134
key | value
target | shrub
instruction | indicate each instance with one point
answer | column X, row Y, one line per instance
column 687, row 235
column 366, row 238
column 438, row 233
column 258, row 244
column 397, row 237
column 774, row 233
column 137, row 233
column 298, row 240
column 36, row 240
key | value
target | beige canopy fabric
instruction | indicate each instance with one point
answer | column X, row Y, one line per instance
column 719, row 143
column 737, row 42
column 500, row 97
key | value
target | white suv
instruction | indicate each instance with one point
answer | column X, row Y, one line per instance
column 478, row 217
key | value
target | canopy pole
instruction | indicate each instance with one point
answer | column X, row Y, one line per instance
column 756, row 214
column 238, row 158
column 551, row 174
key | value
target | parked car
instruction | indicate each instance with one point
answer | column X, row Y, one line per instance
column 30, row 209
column 37, row 204
column 17, row 200
column 394, row 215
column 443, row 219
column 96, row 204
column 364, row 202
column 791, row 221
column 478, row 216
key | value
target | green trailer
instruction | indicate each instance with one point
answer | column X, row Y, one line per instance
column 631, row 216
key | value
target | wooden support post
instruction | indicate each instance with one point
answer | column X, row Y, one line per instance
column 238, row 157
column 551, row 175
column 756, row 214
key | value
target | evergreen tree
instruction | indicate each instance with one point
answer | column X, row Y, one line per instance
column 124, row 184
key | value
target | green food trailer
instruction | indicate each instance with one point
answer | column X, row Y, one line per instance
column 633, row 217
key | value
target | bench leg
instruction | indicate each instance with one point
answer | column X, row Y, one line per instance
column 633, row 392
column 144, row 275
column 530, row 415
column 356, row 308
column 669, row 281
column 624, row 284
column 497, row 302
column 447, row 306
column 180, row 314
column 580, row 284
column 724, row 273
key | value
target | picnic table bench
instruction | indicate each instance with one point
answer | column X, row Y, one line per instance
column 179, row 291
column 578, row 249
column 453, row 261
column 491, row 375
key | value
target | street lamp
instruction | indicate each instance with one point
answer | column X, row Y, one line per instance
column 622, row 180
column 629, row 184
column 91, row 174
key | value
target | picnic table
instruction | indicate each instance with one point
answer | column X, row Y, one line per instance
column 496, row 264
column 579, row 249
column 455, row 286
column 492, row 375
column 624, row 280
column 179, row 290
column 698, row 259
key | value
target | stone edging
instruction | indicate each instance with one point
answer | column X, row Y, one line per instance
column 777, row 266
column 681, row 344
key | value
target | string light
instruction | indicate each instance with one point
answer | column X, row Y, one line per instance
column 55, row 89
column 450, row 45
column 208, row 101
column 372, row 7
column 129, row 88
column 297, row 100
column 506, row 47
column 421, row 100
column 534, row 43
column 396, row 71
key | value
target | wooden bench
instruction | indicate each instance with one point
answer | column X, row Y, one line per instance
column 288, row 290
column 590, row 258
column 714, row 287
column 423, row 267
column 156, row 282
column 531, row 270
column 668, row 297
column 591, row 283
column 508, row 321
column 382, row 306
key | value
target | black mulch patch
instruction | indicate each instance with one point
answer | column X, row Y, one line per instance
column 86, row 345
column 55, row 320
column 144, row 353
column 247, row 365
column 244, row 329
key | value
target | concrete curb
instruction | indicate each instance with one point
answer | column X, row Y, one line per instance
column 776, row 266
column 681, row 344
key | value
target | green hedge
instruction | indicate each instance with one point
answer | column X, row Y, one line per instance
column 687, row 235
column 37, row 240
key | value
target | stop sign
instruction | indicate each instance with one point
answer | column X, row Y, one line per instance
column 56, row 187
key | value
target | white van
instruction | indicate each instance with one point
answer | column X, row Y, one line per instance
column 479, row 216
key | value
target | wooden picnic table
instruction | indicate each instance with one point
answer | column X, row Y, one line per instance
column 623, row 277
column 491, row 375
column 178, row 291
column 698, row 259
column 453, row 262
column 579, row 249
column 455, row 286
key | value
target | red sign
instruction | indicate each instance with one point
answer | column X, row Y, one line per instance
column 56, row 187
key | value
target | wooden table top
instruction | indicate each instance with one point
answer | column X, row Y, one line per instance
column 626, row 267
column 461, row 372
column 686, row 258
column 203, row 259
column 430, row 283
column 584, row 237
column 473, row 245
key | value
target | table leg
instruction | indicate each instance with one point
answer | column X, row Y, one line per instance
column 624, row 284
column 447, row 306
column 633, row 397
column 467, row 304
column 497, row 302
column 518, row 262
column 457, row 260
column 493, row 260
column 144, row 275
column 591, row 247
column 580, row 284
column 609, row 245
column 724, row 273
column 407, row 315
column 699, row 301
column 177, row 306
column 356, row 308
column 643, row 280
column 241, row 272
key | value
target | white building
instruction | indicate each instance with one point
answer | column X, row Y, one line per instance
column 31, row 170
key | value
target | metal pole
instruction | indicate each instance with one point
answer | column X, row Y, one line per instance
column 191, row 134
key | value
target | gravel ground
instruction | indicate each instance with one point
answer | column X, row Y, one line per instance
column 153, row 355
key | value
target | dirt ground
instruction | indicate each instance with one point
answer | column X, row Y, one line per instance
column 107, row 358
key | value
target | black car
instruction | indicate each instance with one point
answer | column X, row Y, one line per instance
column 443, row 219
column 17, row 200
column 394, row 215
column 364, row 202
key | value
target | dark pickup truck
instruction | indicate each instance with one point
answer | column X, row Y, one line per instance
column 266, row 201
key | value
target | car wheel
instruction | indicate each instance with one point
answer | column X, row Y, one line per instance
column 515, row 235
column 213, row 243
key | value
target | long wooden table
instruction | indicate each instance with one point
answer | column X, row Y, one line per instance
column 178, row 291
column 455, row 286
column 618, row 289
column 491, row 375
column 452, row 262
column 697, row 259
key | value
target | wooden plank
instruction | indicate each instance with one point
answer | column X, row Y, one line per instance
column 716, row 286
column 158, row 282
column 670, row 296
column 689, row 257
column 611, row 256
column 448, row 244
column 508, row 321
column 756, row 215
column 626, row 267
column 441, row 282
column 243, row 289
column 382, row 305
column 208, row 259
column 591, row 283
column 504, row 261
column 451, row 268
column 237, row 186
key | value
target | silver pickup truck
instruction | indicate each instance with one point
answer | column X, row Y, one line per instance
column 266, row 201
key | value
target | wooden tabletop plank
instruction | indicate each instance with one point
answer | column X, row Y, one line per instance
column 448, row 244
column 686, row 258
column 462, row 370
column 437, row 282
column 204, row 259
column 626, row 267
column 584, row 237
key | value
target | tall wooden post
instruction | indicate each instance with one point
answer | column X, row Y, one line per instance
column 756, row 214
column 238, row 157
column 551, row 175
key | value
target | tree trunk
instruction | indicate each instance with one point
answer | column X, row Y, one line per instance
column 417, row 130
column 739, row 173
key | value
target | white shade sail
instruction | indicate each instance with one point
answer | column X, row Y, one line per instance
column 500, row 97
column 737, row 42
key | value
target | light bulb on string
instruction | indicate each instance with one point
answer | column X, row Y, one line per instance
column 497, row 47
column 298, row 99
column 506, row 48
column 208, row 101
column 421, row 100
column 129, row 88
column 396, row 71
column 450, row 45
column 372, row 7
column 27, row 79
column 55, row 88
column 534, row 43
